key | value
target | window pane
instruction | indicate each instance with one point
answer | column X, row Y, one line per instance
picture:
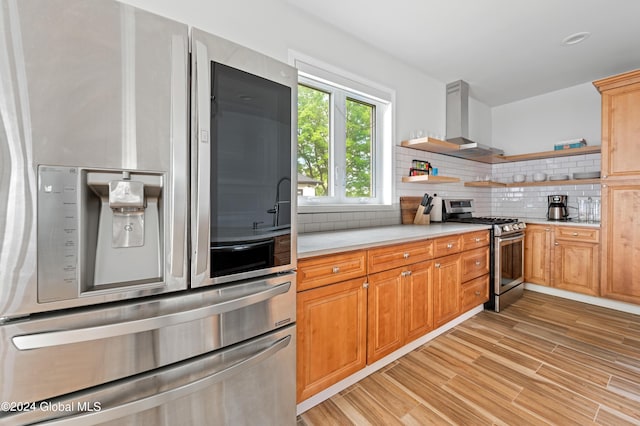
column 359, row 145
column 313, row 141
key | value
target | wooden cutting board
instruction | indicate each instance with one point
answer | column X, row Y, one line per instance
column 409, row 207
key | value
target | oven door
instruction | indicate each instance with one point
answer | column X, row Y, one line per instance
column 509, row 262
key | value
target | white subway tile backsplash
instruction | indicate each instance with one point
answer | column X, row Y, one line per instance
column 521, row 202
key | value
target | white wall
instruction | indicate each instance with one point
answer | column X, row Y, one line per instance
column 480, row 123
column 537, row 123
column 273, row 27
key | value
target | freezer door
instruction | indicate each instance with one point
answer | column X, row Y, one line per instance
column 52, row 355
column 252, row 383
column 91, row 93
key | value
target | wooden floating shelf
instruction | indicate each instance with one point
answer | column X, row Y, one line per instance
column 491, row 184
column 443, row 147
column 431, row 145
column 485, row 184
column 430, row 179
column 551, row 154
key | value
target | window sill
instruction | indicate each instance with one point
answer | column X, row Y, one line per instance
column 338, row 208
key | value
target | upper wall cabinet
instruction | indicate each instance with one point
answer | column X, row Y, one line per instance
column 620, row 125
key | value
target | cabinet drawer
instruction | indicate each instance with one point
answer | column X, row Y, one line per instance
column 381, row 259
column 475, row 239
column 444, row 246
column 475, row 292
column 576, row 233
column 322, row 270
column 475, row 263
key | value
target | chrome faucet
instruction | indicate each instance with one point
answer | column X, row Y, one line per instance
column 275, row 211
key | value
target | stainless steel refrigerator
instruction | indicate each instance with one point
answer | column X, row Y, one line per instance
column 147, row 234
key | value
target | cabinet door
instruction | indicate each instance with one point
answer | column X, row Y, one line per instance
column 384, row 314
column 620, row 130
column 537, row 254
column 418, row 300
column 576, row 267
column 621, row 242
column 447, row 279
column 331, row 335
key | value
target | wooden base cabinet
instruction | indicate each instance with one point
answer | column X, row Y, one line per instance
column 331, row 338
column 564, row 257
column 447, row 282
column 537, row 254
column 576, row 267
column 621, row 242
column 400, row 308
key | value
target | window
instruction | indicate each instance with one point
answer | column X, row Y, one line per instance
column 344, row 140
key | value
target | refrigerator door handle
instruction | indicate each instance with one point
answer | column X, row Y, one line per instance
column 149, row 402
column 64, row 337
column 202, row 148
column 179, row 160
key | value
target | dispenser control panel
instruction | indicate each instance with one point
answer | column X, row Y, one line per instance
column 58, row 233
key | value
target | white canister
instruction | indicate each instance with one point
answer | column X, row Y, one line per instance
column 436, row 211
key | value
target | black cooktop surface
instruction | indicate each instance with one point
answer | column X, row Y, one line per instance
column 484, row 220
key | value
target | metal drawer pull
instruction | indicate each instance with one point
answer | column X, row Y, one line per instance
column 477, row 263
column 575, row 234
column 406, row 255
column 437, row 265
column 405, row 273
column 556, row 243
column 478, row 240
column 477, row 293
column 450, row 245
column 336, row 269
column 365, row 285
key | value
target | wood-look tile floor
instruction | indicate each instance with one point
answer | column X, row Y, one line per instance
column 543, row 360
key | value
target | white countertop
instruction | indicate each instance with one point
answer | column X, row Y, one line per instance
column 319, row 243
column 544, row 221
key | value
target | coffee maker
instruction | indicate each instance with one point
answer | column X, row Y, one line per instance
column 557, row 209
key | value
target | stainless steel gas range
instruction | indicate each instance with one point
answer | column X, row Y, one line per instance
column 506, row 251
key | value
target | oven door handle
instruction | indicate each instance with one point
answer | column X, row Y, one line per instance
column 513, row 238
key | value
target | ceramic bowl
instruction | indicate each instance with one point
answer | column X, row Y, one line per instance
column 539, row 177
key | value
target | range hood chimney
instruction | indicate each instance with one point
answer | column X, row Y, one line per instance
column 458, row 125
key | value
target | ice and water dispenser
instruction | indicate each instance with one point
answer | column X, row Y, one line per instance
column 98, row 230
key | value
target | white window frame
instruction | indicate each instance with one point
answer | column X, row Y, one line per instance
column 342, row 85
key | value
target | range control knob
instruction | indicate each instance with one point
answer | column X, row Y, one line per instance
column 506, row 228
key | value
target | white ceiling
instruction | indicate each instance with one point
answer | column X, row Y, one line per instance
column 505, row 49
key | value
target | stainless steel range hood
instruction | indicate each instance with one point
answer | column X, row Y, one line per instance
column 458, row 125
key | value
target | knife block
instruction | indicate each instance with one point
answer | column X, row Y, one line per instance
column 421, row 218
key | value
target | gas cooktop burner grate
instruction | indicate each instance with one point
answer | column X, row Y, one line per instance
column 485, row 220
